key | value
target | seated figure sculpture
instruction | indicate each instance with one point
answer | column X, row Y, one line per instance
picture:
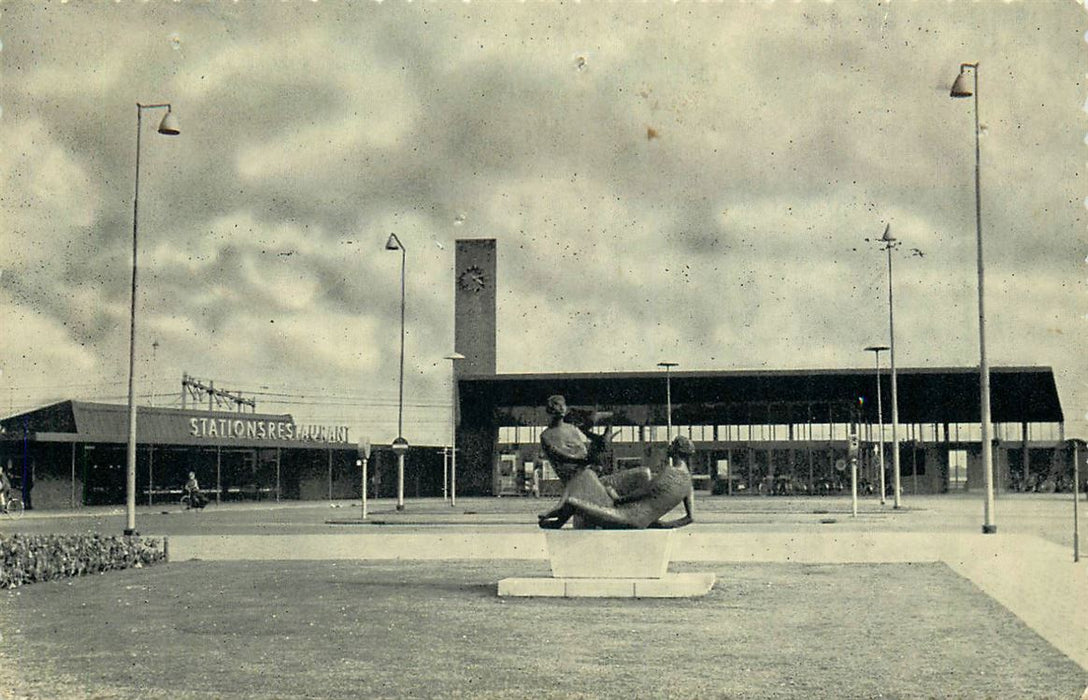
column 632, row 498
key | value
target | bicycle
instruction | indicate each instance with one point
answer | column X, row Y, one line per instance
column 13, row 507
column 187, row 497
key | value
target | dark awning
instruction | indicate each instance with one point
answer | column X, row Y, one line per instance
column 950, row 395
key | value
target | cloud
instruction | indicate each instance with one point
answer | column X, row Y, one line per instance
column 731, row 238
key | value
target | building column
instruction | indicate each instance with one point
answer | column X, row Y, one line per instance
column 1025, row 456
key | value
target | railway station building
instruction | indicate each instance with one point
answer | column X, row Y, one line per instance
column 756, row 432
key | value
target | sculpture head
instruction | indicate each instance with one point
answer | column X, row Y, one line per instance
column 557, row 406
column 682, row 447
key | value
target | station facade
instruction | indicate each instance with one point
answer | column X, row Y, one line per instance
column 74, row 453
column 777, row 431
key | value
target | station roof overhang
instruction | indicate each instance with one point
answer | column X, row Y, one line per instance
column 774, row 397
column 89, row 422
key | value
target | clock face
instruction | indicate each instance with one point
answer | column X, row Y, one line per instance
column 472, row 279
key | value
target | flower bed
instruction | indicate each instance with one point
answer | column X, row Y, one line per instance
column 32, row 558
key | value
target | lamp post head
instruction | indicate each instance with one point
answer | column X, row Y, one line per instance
column 887, row 237
column 962, row 87
column 667, row 365
column 393, row 243
column 877, row 348
column 455, row 356
column 169, row 125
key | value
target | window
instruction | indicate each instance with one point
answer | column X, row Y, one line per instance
column 957, row 470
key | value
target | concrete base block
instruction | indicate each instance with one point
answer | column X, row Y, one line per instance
column 689, row 585
column 533, row 587
column 606, row 554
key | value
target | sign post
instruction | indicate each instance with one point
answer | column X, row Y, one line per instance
column 852, row 453
column 400, row 448
column 1076, row 498
column 364, row 457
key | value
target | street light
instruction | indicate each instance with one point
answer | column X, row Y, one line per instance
column 400, row 445
column 668, row 401
column 168, row 127
column 961, row 88
column 889, row 243
column 453, row 357
column 876, row 350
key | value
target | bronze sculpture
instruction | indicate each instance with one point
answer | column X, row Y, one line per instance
column 629, row 499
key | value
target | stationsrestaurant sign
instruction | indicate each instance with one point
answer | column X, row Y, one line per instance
column 265, row 429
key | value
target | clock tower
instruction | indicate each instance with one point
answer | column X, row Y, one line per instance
column 474, row 306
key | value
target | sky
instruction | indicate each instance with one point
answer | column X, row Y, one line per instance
column 693, row 182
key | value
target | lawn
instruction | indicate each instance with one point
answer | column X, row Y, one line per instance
column 437, row 629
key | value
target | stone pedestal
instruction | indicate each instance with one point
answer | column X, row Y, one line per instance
column 609, row 564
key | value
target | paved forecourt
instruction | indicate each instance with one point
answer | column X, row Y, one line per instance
column 1033, row 578
column 1027, row 567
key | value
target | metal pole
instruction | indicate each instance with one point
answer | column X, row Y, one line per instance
column 150, row 474
column 1076, row 498
column 130, row 455
column 895, row 397
column 668, row 406
column 988, row 526
column 453, row 478
column 854, row 487
column 400, row 383
column 400, row 379
column 453, row 358
column 668, row 403
column 400, row 480
column 364, row 461
column 880, row 416
column 445, row 474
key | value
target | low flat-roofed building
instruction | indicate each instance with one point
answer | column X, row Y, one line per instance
column 776, row 431
column 74, row 453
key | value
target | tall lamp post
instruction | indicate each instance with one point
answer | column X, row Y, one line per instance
column 876, row 350
column 400, row 444
column 168, row 127
column 962, row 88
column 453, row 357
column 668, row 402
column 889, row 243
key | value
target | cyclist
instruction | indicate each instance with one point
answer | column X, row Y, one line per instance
column 192, row 489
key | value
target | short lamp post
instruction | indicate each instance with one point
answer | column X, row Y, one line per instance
column 400, row 444
column 889, row 243
column 168, row 127
column 668, row 400
column 876, row 350
column 962, row 88
column 453, row 357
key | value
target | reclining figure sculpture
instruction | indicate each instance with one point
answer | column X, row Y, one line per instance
column 629, row 499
